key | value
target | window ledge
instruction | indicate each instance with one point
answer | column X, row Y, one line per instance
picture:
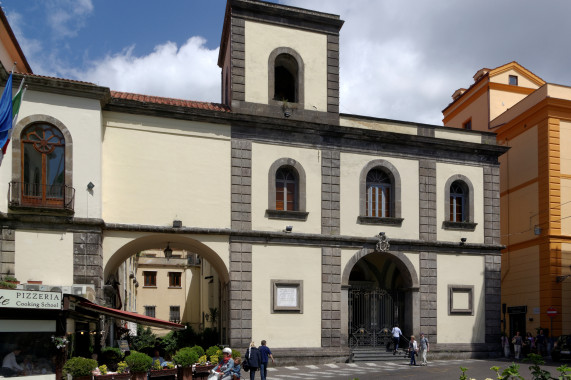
column 41, row 209
column 465, row 226
column 380, row 221
column 175, row 287
column 150, row 286
column 287, row 215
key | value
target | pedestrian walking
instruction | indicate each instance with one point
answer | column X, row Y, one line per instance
column 254, row 359
column 413, row 350
column 517, row 342
column 266, row 354
column 424, row 347
column 540, row 342
column 506, row 345
column 396, row 337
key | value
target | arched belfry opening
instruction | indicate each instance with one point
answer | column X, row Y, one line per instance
column 381, row 291
column 286, row 74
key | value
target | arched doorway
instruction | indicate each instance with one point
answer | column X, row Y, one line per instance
column 381, row 290
column 190, row 287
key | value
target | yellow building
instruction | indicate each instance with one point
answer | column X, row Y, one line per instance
column 533, row 119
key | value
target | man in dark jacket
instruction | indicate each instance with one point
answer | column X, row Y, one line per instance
column 266, row 354
column 254, row 359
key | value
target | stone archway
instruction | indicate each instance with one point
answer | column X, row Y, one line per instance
column 408, row 282
column 119, row 246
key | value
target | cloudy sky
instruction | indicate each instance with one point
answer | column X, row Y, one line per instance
column 400, row 59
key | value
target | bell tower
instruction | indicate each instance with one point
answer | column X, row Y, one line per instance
column 281, row 62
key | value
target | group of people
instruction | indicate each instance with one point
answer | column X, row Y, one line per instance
column 525, row 345
column 256, row 358
column 414, row 348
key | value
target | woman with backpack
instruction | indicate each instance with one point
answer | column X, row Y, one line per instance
column 254, row 359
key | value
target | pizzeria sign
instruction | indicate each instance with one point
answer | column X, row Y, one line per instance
column 30, row 299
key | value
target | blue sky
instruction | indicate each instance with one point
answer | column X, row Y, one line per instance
column 399, row 59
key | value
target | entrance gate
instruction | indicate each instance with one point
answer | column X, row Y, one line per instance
column 372, row 314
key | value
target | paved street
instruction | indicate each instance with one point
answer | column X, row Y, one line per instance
column 438, row 369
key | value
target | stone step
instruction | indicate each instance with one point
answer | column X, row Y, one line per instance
column 371, row 355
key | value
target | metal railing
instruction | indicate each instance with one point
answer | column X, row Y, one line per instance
column 35, row 195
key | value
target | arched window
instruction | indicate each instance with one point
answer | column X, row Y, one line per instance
column 285, row 78
column 459, row 203
column 43, row 165
column 378, row 195
column 286, row 189
column 458, row 193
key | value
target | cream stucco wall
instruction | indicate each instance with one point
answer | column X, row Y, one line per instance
column 519, row 208
column 565, row 205
column 565, row 149
column 457, row 135
column 476, row 176
column 522, row 80
column 500, row 101
column 378, row 125
column 275, row 263
column 461, row 270
column 52, row 250
column 263, row 156
column 351, row 167
column 262, row 39
column 82, row 117
column 155, row 171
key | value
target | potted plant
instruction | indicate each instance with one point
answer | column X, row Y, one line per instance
column 157, row 370
column 9, row 282
column 139, row 364
column 122, row 371
column 185, row 358
column 110, row 356
column 103, row 373
column 79, row 368
column 212, row 353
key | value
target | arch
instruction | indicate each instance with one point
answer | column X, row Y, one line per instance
column 469, row 200
column 299, row 79
column 401, row 261
column 394, row 176
column 301, row 182
column 139, row 244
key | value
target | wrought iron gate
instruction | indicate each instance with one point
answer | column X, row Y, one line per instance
column 372, row 314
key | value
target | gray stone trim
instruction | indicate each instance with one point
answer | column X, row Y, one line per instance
column 491, row 205
column 428, row 294
column 300, row 85
column 7, row 252
column 331, row 298
column 333, row 76
column 237, row 65
column 400, row 259
column 492, row 283
column 286, row 215
column 396, row 190
column 465, row 226
column 17, row 148
column 330, row 192
column 275, row 110
column 380, row 221
column 241, row 179
column 427, row 199
column 240, row 298
column 88, row 260
column 453, row 289
column 301, row 182
column 470, row 201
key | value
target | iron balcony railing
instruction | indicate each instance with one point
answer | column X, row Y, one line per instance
column 36, row 195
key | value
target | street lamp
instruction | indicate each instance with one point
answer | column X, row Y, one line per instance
column 168, row 251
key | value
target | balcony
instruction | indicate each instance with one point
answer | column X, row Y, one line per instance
column 34, row 196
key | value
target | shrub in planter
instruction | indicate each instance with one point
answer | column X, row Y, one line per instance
column 186, row 357
column 139, row 362
column 110, row 356
column 199, row 350
column 212, row 350
column 236, row 354
column 103, row 369
column 79, row 366
column 122, row 367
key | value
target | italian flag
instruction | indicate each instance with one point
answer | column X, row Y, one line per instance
column 16, row 102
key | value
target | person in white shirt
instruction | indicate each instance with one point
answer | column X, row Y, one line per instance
column 396, row 337
column 413, row 350
column 10, row 366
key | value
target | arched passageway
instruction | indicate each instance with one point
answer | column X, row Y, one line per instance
column 380, row 290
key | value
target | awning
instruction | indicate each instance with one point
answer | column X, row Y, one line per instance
column 129, row 316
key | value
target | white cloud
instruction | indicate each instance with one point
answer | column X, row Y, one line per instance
column 67, row 17
column 188, row 72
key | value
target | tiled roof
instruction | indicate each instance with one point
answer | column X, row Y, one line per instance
column 169, row 101
column 60, row 79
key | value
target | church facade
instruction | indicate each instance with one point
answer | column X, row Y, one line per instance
column 324, row 229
